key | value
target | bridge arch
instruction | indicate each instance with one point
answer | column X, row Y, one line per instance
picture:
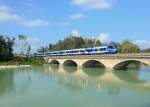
column 93, row 63
column 70, row 63
column 54, row 62
column 124, row 64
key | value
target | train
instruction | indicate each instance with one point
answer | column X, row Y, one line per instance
column 105, row 49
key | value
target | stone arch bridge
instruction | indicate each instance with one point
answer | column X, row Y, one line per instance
column 109, row 61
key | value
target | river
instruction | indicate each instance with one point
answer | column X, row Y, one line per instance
column 53, row 86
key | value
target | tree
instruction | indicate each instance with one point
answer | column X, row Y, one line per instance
column 10, row 43
column 89, row 42
column 28, row 49
column 146, row 50
column 42, row 49
column 24, row 43
column 50, row 47
column 6, row 48
column 98, row 43
column 71, row 42
column 128, row 47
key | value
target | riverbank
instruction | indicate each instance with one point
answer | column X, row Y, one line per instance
column 14, row 66
column 34, row 61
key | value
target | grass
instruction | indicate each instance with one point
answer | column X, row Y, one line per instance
column 35, row 61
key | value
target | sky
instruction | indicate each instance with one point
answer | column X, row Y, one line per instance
column 47, row 21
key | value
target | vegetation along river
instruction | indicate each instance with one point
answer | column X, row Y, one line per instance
column 53, row 86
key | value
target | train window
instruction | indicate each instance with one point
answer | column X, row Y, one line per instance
column 88, row 50
column 82, row 51
column 111, row 47
column 103, row 49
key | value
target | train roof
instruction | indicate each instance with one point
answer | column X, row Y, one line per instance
column 38, row 53
column 51, row 52
column 102, row 46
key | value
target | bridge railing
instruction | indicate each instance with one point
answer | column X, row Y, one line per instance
column 113, row 56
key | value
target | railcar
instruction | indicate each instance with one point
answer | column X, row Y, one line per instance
column 106, row 49
column 38, row 54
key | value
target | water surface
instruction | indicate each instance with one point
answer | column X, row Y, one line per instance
column 53, row 86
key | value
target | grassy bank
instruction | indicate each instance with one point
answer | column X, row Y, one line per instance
column 24, row 61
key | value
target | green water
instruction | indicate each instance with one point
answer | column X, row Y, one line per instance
column 53, row 86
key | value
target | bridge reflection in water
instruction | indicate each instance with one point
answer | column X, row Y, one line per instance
column 74, row 86
column 81, row 79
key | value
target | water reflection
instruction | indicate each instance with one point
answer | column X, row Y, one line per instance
column 129, row 64
column 72, row 85
column 72, row 78
column 68, row 85
column 93, row 72
column 6, row 81
column 70, row 69
column 130, row 76
column 14, row 81
column 84, row 78
column 54, row 67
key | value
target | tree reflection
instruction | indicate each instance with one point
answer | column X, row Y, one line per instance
column 113, row 89
column 54, row 67
column 72, row 84
column 93, row 72
column 13, row 81
column 6, row 81
column 130, row 76
column 70, row 69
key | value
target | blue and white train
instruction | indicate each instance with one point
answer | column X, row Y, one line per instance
column 38, row 55
column 106, row 49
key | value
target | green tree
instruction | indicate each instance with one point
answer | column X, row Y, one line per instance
column 28, row 49
column 24, row 44
column 6, row 48
column 42, row 49
column 71, row 42
column 10, row 43
column 146, row 50
column 50, row 47
column 89, row 42
column 128, row 47
column 98, row 43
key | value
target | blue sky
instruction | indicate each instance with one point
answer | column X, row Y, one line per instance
column 47, row 21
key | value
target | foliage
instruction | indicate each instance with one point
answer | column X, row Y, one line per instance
column 6, row 48
column 98, row 43
column 35, row 61
column 25, row 47
column 7, row 56
column 71, row 42
column 44, row 49
column 28, row 49
column 146, row 50
column 129, row 47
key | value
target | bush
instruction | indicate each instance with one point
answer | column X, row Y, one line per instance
column 35, row 61
column 129, row 47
